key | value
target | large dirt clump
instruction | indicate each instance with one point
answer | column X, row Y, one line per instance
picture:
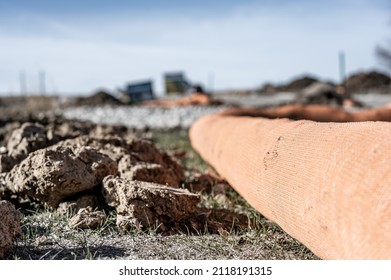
column 148, row 205
column 137, row 159
column 9, row 226
column 51, row 175
column 28, row 138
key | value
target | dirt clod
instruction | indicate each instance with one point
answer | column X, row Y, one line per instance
column 73, row 206
column 138, row 159
column 148, row 205
column 86, row 218
column 53, row 174
column 9, row 226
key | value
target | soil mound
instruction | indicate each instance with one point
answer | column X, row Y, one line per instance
column 65, row 165
column 296, row 85
column 362, row 82
column 98, row 99
column 53, row 174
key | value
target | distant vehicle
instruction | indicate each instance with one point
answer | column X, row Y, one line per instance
column 176, row 83
column 138, row 92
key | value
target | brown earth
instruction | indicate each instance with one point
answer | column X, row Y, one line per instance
column 147, row 205
column 64, row 164
column 364, row 81
column 355, row 83
column 53, row 174
column 9, row 226
column 294, row 85
column 97, row 99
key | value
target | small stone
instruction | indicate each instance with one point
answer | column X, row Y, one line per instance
column 86, row 218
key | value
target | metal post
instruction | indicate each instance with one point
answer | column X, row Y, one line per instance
column 42, row 87
column 342, row 73
column 342, row 66
column 22, row 81
column 210, row 82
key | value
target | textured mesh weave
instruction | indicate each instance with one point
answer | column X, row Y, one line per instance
column 326, row 184
column 320, row 113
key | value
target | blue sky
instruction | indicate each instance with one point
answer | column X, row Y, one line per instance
column 86, row 45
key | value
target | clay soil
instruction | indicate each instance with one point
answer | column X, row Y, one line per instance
column 199, row 216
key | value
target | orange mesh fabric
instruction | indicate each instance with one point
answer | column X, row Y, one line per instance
column 194, row 99
column 320, row 113
column 326, row 184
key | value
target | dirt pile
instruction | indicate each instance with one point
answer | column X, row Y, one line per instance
column 22, row 134
column 195, row 99
column 165, row 209
column 53, row 174
column 97, row 99
column 68, row 175
column 363, row 82
column 137, row 159
column 24, row 140
column 75, row 166
column 296, row 85
column 9, row 226
column 86, row 171
column 320, row 93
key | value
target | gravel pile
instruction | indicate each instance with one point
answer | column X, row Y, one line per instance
column 142, row 117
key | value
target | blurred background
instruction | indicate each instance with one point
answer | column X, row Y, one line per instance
column 71, row 48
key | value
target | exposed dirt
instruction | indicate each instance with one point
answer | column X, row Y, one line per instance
column 52, row 175
column 364, row 81
column 359, row 82
column 9, row 226
column 60, row 166
column 86, row 218
column 295, row 85
column 97, row 99
column 65, row 165
column 148, row 205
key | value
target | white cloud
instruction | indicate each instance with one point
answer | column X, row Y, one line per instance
column 242, row 49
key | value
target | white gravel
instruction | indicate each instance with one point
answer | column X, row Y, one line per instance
column 142, row 117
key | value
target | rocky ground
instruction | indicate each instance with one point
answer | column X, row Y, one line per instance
column 98, row 179
column 87, row 190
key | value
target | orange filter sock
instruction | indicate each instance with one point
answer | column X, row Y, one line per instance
column 326, row 184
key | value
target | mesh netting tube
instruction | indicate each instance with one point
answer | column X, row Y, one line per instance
column 326, row 184
column 320, row 113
